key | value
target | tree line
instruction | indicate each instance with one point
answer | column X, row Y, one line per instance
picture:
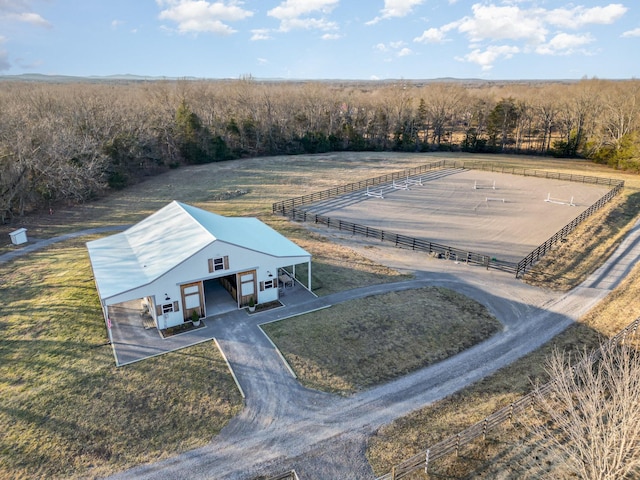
column 70, row 142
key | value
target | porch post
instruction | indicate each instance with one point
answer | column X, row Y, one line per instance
column 309, row 274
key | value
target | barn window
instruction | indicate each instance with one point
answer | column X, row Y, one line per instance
column 267, row 284
column 167, row 308
column 219, row 263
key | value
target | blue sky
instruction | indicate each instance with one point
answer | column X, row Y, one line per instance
column 322, row 39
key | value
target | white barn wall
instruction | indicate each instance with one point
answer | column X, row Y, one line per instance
column 196, row 268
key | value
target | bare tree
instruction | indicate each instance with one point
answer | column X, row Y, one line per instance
column 591, row 412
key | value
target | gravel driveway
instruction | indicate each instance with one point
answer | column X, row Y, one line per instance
column 285, row 426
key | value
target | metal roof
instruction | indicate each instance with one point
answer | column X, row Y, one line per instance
column 165, row 239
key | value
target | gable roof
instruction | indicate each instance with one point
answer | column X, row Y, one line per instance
column 168, row 237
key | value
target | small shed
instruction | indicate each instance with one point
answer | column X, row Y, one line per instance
column 18, row 237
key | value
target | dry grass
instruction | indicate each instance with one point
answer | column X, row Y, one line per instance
column 368, row 341
column 66, row 410
column 414, row 433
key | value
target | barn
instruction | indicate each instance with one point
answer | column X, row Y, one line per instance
column 183, row 259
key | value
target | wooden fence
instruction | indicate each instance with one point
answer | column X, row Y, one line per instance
column 285, row 207
column 291, row 208
column 453, row 443
column 443, row 251
column 542, row 249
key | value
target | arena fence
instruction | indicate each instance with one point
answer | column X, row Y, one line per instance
column 453, row 443
column 293, row 208
column 542, row 249
column 432, row 248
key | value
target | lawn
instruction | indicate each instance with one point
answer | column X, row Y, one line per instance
column 66, row 410
column 352, row 346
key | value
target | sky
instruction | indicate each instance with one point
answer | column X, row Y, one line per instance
column 322, row 39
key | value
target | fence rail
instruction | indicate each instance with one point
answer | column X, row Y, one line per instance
column 285, row 206
column 290, row 207
column 418, row 244
column 453, row 443
column 559, row 236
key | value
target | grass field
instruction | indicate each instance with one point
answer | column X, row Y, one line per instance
column 365, row 342
column 67, row 412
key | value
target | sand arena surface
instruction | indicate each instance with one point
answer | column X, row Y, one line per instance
column 507, row 222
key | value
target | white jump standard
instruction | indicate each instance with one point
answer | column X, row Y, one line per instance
column 413, row 181
column 478, row 186
column 401, row 185
column 490, row 199
column 374, row 193
column 559, row 202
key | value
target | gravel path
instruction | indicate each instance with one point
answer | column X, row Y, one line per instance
column 285, row 426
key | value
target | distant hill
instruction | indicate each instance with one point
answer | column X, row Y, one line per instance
column 125, row 78
column 129, row 78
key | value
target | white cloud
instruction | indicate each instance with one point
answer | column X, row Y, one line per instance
column 31, row 18
column 116, row 23
column 632, row 33
column 564, row 44
column 579, row 17
column 203, row 16
column 12, row 6
column 488, row 57
column 262, row 61
column 260, row 34
column 432, row 35
column 395, row 48
column 395, row 9
column 304, row 15
column 490, row 22
column 331, row 36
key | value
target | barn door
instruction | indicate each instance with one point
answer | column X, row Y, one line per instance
column 247, row 288
column 192, row 299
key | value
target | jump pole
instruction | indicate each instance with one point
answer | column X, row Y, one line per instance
column 559, row 202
